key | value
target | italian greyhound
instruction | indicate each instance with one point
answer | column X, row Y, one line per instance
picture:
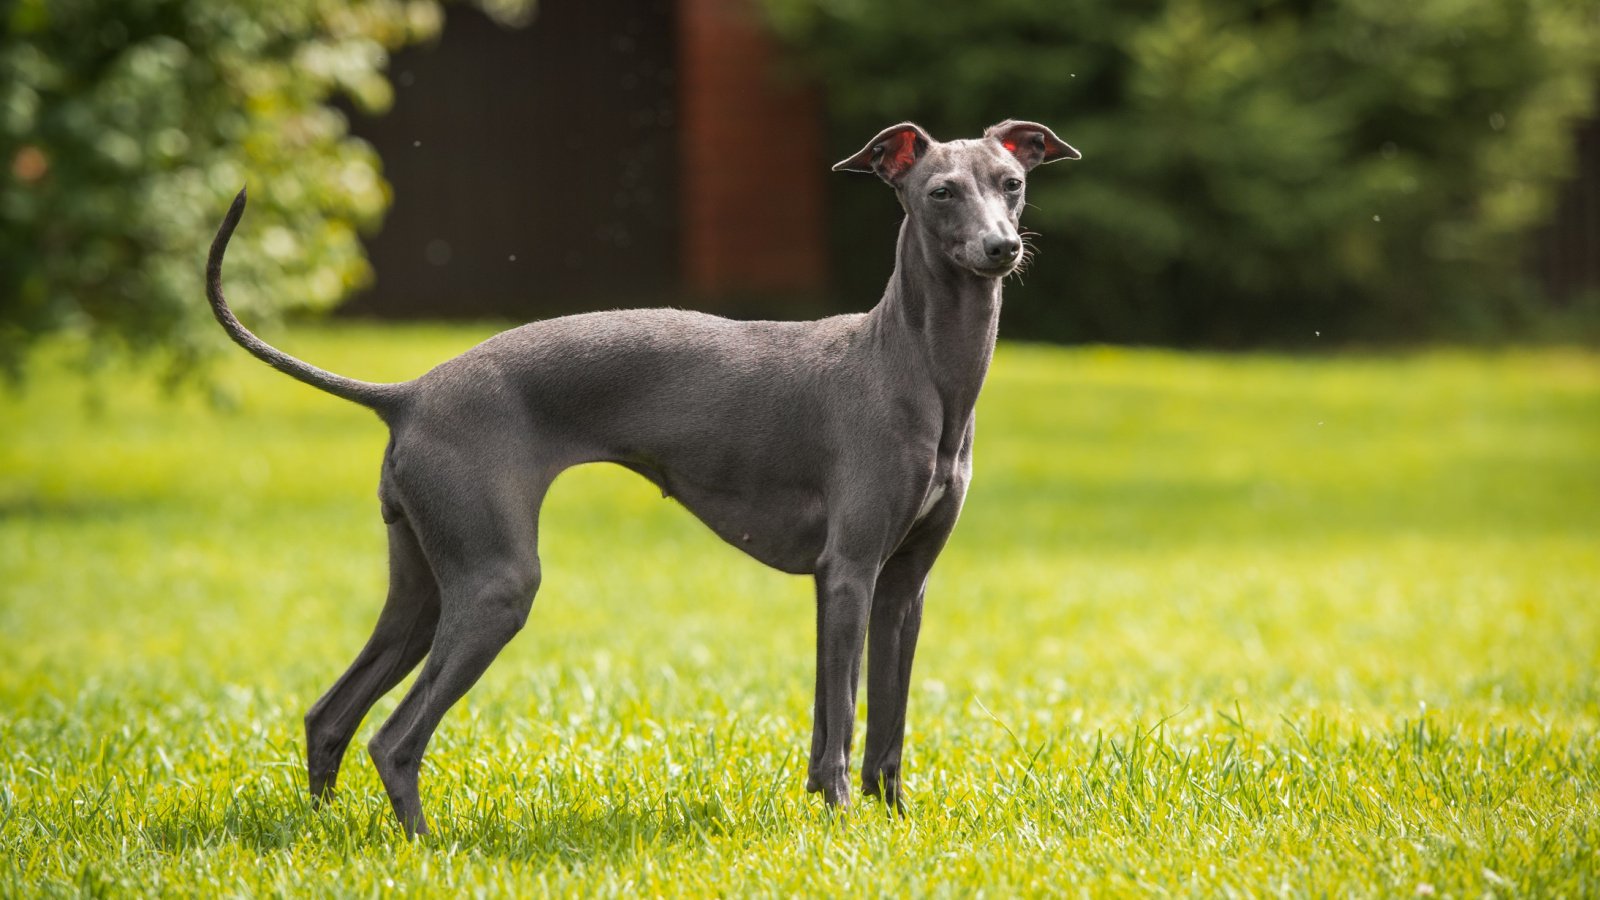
column 839, row 448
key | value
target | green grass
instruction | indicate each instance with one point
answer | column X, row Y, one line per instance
column 1210, row 624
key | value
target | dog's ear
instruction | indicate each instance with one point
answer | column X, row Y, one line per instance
column 889, row 155
column 1031, row 143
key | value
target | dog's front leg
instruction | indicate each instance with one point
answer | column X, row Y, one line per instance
column 844, row 599
column 892, row 635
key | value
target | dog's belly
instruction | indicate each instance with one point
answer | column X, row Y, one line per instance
column 783, row 527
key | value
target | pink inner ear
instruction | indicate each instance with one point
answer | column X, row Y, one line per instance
column 904, row 152
column 1011, row 146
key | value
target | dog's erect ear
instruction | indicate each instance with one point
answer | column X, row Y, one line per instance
column 889, row 155
column 1031, row 143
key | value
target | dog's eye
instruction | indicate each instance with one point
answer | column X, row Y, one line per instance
column 940, row 194
column 1012, row 185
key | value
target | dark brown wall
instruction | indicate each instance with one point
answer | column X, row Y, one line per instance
column 555, row 144
column 625, row 152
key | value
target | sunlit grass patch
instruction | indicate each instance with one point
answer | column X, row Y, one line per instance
column 1209, row 624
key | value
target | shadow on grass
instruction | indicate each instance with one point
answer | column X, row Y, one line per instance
column 552, row 828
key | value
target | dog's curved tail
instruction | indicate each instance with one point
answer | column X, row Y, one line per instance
column 384, row 399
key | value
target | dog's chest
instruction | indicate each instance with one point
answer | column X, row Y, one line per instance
column 935, row 493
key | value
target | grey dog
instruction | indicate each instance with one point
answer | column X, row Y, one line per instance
column 839, row 448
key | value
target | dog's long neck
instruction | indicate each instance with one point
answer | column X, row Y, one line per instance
column 944, row 317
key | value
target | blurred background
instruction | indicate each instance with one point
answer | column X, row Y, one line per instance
column 1280, row 173
column 1322, row 615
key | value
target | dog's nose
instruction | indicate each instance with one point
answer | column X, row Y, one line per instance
column 1000, row 247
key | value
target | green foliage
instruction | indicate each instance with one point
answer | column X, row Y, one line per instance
column 127, row 125
column 1254, row 169
column 1210, row 625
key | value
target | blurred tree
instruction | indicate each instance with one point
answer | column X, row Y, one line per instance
column 127, row 125
column 1254, row 170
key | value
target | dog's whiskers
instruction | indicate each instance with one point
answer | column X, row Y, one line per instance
column 1029, row 252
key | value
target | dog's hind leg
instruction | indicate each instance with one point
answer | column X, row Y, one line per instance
column 482, row 542
column 399, row 641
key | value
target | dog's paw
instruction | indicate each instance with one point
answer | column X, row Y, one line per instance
column 884, row 784
column 834, row 788
column 836, row 793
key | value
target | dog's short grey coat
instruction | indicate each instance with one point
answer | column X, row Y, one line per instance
column 840, row 448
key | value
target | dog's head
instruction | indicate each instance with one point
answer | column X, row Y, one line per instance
column 966, row 196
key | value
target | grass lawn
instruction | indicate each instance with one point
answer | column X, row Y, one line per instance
column 1210, row 624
